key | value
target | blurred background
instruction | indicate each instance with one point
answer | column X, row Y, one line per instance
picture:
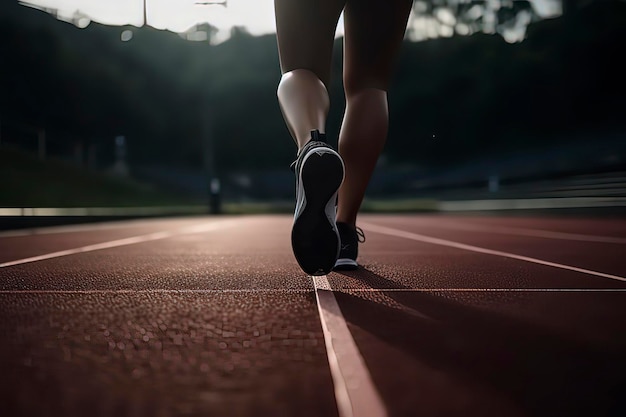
column 172, row 103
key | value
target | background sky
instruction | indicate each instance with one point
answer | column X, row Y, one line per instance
column 174, row 15
column 180, row 15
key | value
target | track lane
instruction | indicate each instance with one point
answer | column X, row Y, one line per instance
column 252, row 254
column 486, row 361
column 77, row 323
column 429, row 348
column 600, row 256
column 557, row 351
column 23, row 244
column 163, row 354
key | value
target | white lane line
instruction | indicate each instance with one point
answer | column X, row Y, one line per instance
column 533, row 233
column 443, row 242
column 159, row 291
column 100, row 211
column 105, row 225
column 298, row 290
column 355, row 392
column 531, row 203
column 123, row 242
column 83, row 227
column 483, row 290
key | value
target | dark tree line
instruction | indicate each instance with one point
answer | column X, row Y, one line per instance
column 452, row 98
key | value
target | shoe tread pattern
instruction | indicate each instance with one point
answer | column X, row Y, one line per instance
column 314, row 236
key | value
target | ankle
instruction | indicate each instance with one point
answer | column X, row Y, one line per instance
column 351, row 224
column 315, row 136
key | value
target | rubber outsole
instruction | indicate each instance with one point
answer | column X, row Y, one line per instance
column 314, row 236
column 345, row 264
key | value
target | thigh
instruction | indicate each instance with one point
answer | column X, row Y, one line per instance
column 374, row 31
column 306, row 30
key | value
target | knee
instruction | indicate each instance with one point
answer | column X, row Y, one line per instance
column 364, row 91
column 355, row 86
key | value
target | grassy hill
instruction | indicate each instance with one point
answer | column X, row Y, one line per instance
column 30, row 182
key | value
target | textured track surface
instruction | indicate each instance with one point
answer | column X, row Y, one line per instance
column 211, row 316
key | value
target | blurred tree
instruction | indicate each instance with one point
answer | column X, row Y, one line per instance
column 453, row 97
column 444, row 18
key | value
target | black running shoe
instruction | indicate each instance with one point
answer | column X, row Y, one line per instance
column 314, row 237
column 350, row 239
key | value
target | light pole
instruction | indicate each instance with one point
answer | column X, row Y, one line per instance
column 214, row 185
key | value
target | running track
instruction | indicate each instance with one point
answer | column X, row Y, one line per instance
column 211, row 316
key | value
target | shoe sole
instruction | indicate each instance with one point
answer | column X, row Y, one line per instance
column 345, row 264
column 314, row 236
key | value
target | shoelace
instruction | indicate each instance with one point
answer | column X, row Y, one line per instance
column 360, row 235
column 317, row 139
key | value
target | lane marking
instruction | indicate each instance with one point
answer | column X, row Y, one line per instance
column 124, row 242
column 159, row 291
column 82, row 227
column 483, row 290
column 531, row 203
column 355, row 392
column 297, row 290
column 534, row 233
column 443, row 242
column 100, row 211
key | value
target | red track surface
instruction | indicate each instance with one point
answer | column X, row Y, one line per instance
column 222, row 322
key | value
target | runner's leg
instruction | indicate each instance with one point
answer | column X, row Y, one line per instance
column 374, row 31
column 305, row 30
